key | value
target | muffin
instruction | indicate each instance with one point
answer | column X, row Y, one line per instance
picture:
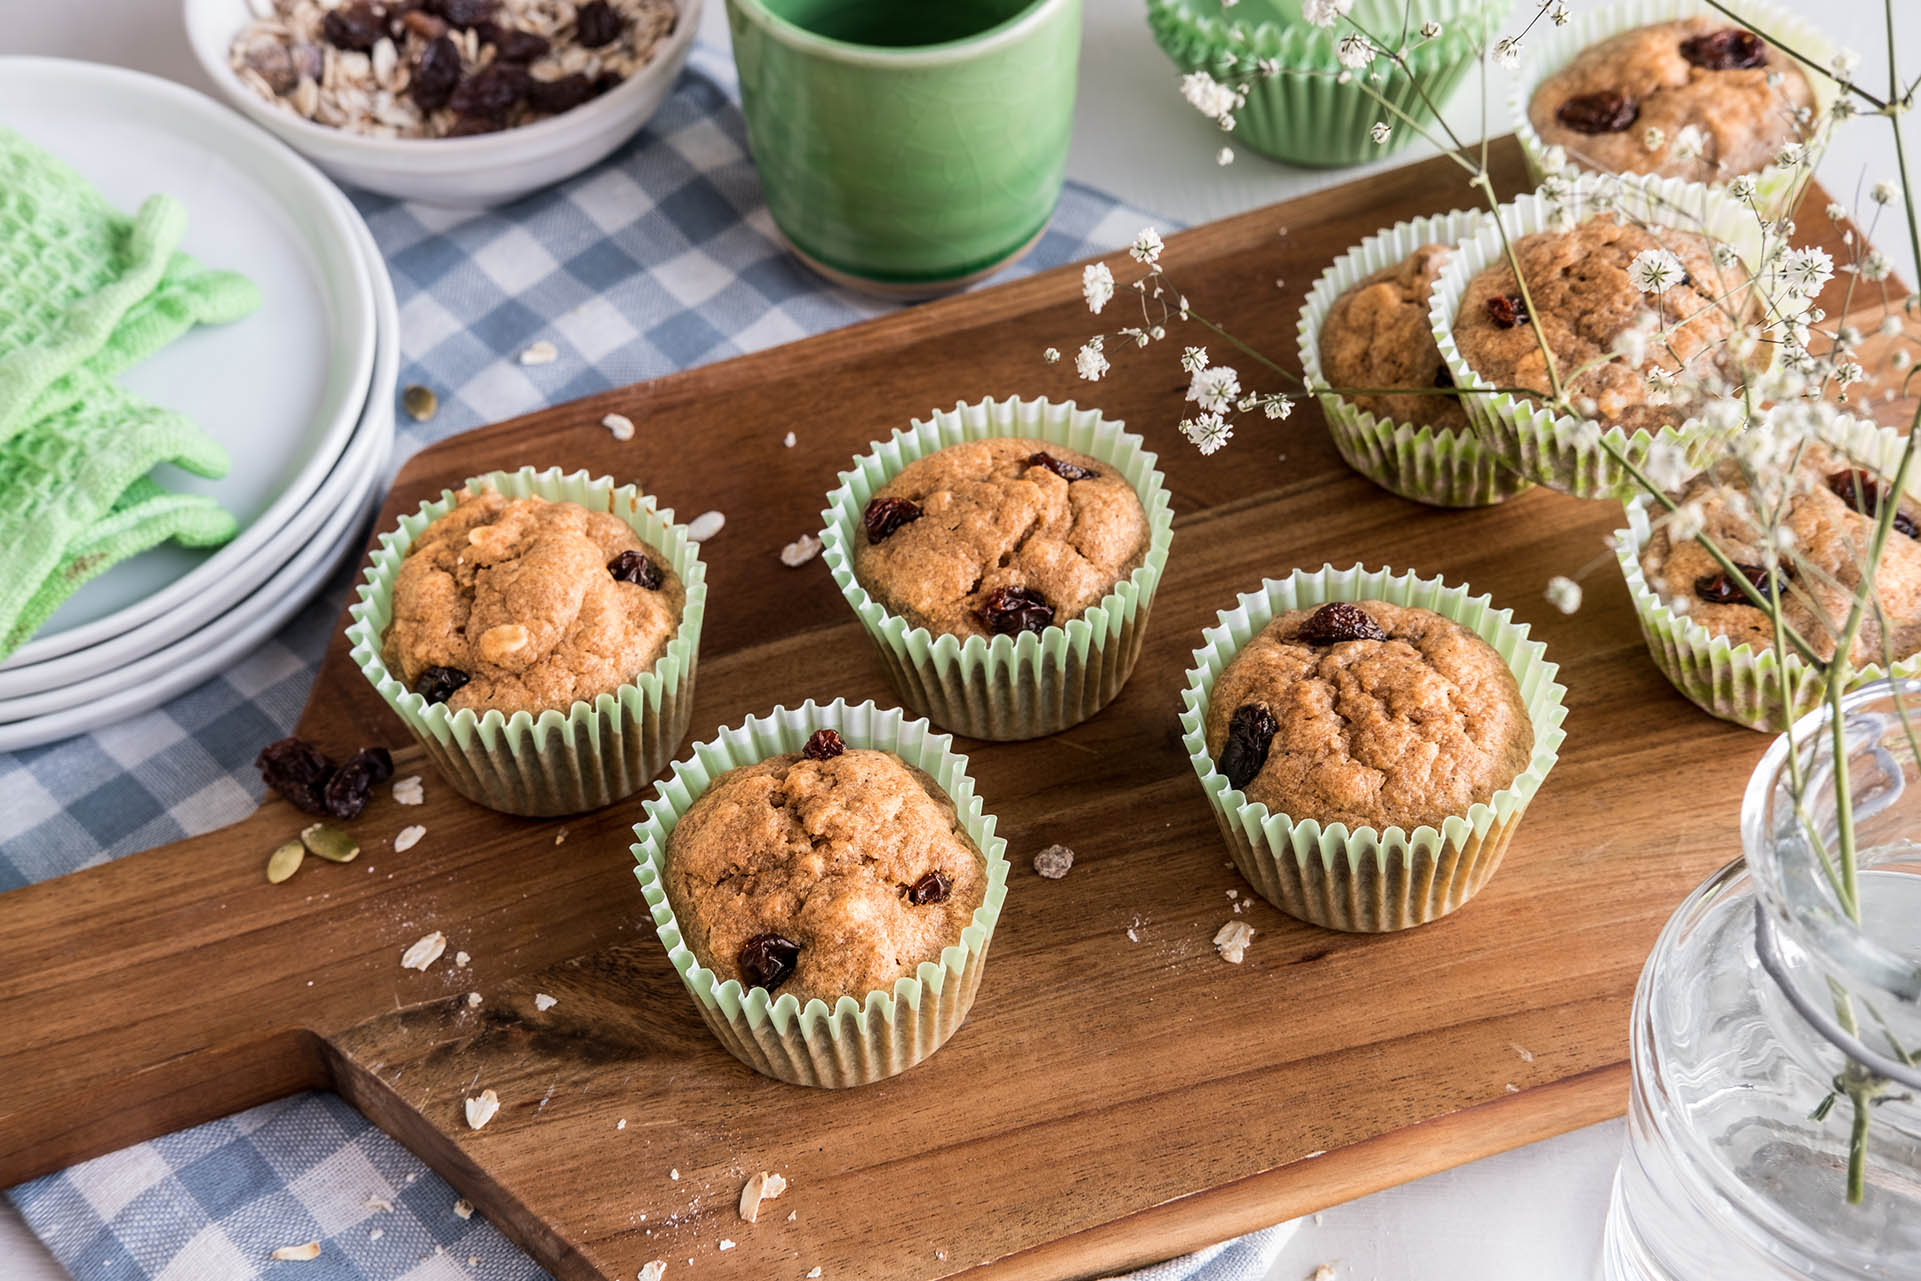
column 828, row 873
column 1582, row 293
column 1830, row 509
column 1377, row 335
column 998, row 537
column 1368, row 714
column 1694, row 99
column 526, row 605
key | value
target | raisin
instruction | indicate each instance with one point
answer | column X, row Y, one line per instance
column 1066, row 471
column 1507, row 310
column 928, row 890
column 1859, row 489
column 490, row 93
column 1008, row 611
column 767, row 960
column 607, row 80
column 1250, row 732
column 1339, row 621
column 468, row 126
column 551, row 97
column 632, row 567
column 298, row 771
column 596, row 24
column 437, row 684
column 345, row 794
column 885, row 515
column 1444, row 377
column 1719, row 589
column 436, row 73
column 823, row 745
column 1729, row 49
column 358, row 27
column 465, row 13
column 422, row 24
column 1608, row 111
column 511, row 45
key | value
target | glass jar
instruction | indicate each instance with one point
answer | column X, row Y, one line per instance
column 1762, row 997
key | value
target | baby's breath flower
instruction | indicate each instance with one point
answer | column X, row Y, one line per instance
column 1194, row 359
column 1901, row 359
column 1182, row 306
column 1667, row 465
column 1268, row 68
column 1836, row 211
column 1631, row 345
column 1147, row 246
column 1354, row 50
column 1089, row 363
column 1558, row 15
column 1208, row 432
column 1655, row 271
column 1277, row 406
column 1790, row 155
column 1655, row 138
column 1554, row 160
column 1225, row 156
column 1725, row 256
column 1885, row 192
column 1690, row 142
column 1214, row 388
column 1507, row 52
column 1325, row 13
column 1875, row 266
column 1052, row 355
column 1563, row 593
column 1687, row 522
column 1097, row 286
column 1379, row 132
column 1848, row 373
column 1742, row 187
column 1844, row 63
column 1156, row 333
column 1135, row 332
column 1806, row 270
column 1226, row 122
column 1209, row 96
column 1431, row 29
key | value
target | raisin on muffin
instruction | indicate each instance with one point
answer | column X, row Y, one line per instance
column 525, row 604
column 1584, row 296
column 1377, row 334
column 1830, row 507
column 1622, row 105
column 828, row 873
column 999, row 536
column 1369, row 714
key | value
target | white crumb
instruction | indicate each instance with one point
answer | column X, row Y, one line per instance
column 725, row 1244
column 424, row 952
column 543, row 1002
column 705, row 526
column 376, row 1234
column 1054, row 862
column 410, row 790
column 461, row 959
column 1521, row 1052
column 789, row 441
column 813, row 1274
column 792, row 1215
column 674, row 1174
column 762, row 1187
column 654, row 1271
column 481, row 1109
column 560, row 837
column 408, row 837
column 621, row 1124
column 473, row 1000
column 540, row 353
column 620, row 425
column 1513, row 1088
column 463, row 1209
column 800, row 551
column 1323, row 1273
column 1231, row 941
column 298, row 1253
column 378, row 1204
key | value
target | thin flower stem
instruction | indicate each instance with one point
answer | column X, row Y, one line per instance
column 1486, row 185
column 1847, row 85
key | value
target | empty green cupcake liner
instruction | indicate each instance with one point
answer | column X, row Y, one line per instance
column 1313, row 112
column 1558, row 46
column 855, row 1042
column 1739, row 683
column 1440, row 466
column 1370, row 879
column 1562, row 451
column 557, row 762
column 1006, row 687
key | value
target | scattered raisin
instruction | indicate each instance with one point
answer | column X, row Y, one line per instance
column 511, row 45
column 1250, row 732
column 1861, row 490
column 1066, row 471
column 490, row 93
column 1507, row 310
column 885, row 515
column 1729, row 49
column 632, row 567
column 437, row 684
column 928, row 890
column 358, row 27
column 345, row 794
column 551, row 97
column 1008, row 611
column 436, row 73
column 1608, row 111
column 1339, row 621
column 823, row 745
column 1719, row 589
column 596, row 24
column 298, row 771
column 465, row 13
column 767, row 960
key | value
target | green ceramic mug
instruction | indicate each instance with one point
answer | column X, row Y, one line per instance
column 908, row 147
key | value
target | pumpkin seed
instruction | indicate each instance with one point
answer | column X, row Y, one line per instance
column 330, row 843
column 419, row 402
column 285, row 861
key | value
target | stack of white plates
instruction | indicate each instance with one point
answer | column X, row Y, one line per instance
column 300, row 393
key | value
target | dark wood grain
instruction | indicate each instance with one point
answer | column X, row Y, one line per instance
column 1114, row 1098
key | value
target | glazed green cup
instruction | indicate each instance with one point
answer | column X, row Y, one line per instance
column 908, row 147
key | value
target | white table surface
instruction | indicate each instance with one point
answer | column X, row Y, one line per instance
column 1531, row 1214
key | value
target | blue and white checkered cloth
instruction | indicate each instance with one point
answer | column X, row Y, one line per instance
column 659, row 259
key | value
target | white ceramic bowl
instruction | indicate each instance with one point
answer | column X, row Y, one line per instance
column 487, row 169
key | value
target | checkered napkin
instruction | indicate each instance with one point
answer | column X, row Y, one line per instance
column 659, row 259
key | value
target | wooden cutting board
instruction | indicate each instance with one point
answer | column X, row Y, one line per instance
column 1120, row 1093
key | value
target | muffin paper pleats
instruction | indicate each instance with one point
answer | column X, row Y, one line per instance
column 1562, row 451
column 1556, row 47
column 1439, row 466
column 855, row 1042
column 558, row 762
column 1739, row 683
column 1006, row 687
column 1369, row 879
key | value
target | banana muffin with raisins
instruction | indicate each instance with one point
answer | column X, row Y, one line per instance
column 1377, row 334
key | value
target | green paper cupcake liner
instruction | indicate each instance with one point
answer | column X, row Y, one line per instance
column 1562, row 451
column 1559, row 46
column 1006, row 687
column 1368, row 880
column 1739, row 683
column 1440, row 466
column 855, row 1042
column 558, row 762
column 1306, row 114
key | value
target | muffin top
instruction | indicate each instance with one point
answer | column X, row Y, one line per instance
column 524, row 604
column 1831, row 504
column 1581, row 289
column 1377, row 334
column 1622, row 105
column 822, row 877
column 999, row 536
column 1368, row 714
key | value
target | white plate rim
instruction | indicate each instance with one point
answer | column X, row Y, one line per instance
column 354, row 295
